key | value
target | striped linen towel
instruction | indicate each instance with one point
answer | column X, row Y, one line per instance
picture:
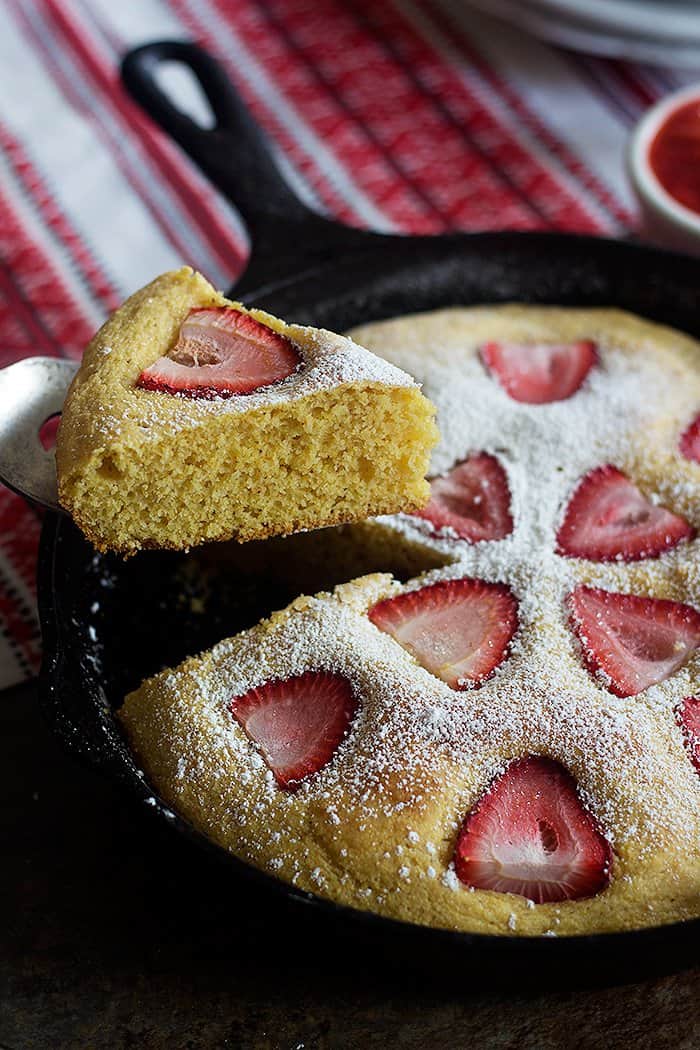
column 414, row 115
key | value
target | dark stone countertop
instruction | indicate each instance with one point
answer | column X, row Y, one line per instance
column 117, row 934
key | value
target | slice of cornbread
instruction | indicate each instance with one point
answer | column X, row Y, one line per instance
column 194, row 419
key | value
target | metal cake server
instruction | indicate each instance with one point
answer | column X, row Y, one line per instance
column 31, row 392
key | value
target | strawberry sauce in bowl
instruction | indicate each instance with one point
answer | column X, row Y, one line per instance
column 674, row 155
column 664, row 168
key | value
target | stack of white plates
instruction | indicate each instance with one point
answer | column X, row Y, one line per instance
column 663, row 32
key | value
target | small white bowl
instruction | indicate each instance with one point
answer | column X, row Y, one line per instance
column 664, row 219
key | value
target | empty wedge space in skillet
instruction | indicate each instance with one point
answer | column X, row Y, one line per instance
column 194, row 419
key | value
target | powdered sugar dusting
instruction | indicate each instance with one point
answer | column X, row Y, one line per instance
column 633, row 392
column 328, row 361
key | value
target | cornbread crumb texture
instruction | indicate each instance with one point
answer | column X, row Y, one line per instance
column 376, row 828
column 346, row 436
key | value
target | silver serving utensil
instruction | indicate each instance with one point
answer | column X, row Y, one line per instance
column 31, row 392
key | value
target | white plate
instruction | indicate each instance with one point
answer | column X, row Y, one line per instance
column 642, row 30
column 673, row 21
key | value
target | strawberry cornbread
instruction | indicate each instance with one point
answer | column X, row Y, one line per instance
column 508, row 742
column 192, row 418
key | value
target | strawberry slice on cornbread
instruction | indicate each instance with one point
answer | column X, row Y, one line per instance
column 473, row 500
column 688, row 716
column 297, row 723
column 537, row 373
column 608, row 519
column 633, row 642
column 689, row 443
column 220, row 352
column 530, row 834
column 459, row 630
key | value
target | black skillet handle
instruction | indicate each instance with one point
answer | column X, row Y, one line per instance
column 236, row 155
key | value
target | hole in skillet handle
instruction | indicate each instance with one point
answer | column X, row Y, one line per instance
column 287, row 236
column 179, row 82
column 230, row 148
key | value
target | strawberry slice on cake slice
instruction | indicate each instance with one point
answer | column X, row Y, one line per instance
column 688, row 717
column 689, row 443
column 297, row 723
column 539, row 373
column 193, row 419
column 531, row 835
column 632, row 641
column 222, row 351
column 609, row 519
column 459, row 630
column 472, row 500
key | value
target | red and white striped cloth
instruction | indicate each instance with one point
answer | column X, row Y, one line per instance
column 416, row 115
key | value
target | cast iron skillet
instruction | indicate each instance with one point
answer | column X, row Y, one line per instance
column 107, row 623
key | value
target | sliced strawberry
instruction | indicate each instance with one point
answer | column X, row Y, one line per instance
column 473, row 500
column 530, row 834
column 688, row 715
column 459, row 630
column 689, row 444
column 634, row 642
column 608, row 519
column 221, row 352
column 297, row 723
column 537, row 373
